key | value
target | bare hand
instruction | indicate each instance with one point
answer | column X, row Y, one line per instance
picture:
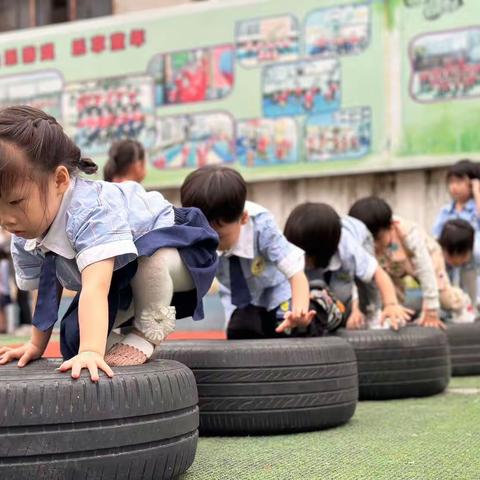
column 396, row 314
column 26, row 353
column 356, row 320
column 91, row 360
column 296, row 318
column 430, row 318
column 475, row 183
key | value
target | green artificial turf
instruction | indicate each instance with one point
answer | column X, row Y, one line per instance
column 7, row 340
column 435, row 438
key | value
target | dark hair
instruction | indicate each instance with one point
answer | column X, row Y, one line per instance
column 219, row 192
column 463, row 169
column 316, row 229
column 374, row 212
column 35, row 136
column 457, row 237
column 121, row 156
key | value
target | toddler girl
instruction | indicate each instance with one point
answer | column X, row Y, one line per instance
column 126, row 161
column 126, row 251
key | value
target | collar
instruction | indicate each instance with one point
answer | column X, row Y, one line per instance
column 56, row 239
column 470, row 206
column 244, row 248
column 335, row 263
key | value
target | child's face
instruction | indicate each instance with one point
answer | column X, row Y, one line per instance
column 27, row 211
column 383, row 240
column 229, row 233
column 460, row 188
column 457, row 259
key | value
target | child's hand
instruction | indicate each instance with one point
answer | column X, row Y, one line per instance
column 475, row 183
column 296, row 318
column 91, row 360
column 430, row 318
column 26, row 353
column 396, row 314
column 356, row 320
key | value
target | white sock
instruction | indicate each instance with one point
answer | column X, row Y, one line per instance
column 136, row 341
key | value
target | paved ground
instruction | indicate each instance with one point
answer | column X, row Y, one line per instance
column 436, row 438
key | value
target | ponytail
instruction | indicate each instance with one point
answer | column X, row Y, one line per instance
column 87, row 165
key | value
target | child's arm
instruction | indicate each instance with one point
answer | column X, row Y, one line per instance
column 356, row 320
column 36, row 346
column 93, row 321
column 290, row 260
column 476, row 192
column 391, row 308
column 425, row 273
column 300, row 315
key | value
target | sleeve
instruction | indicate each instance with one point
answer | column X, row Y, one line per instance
column 226, row 299
column 273, row 245
column 439, row 223
column 423, row 265
column 99, row 233
column 365, row 264
column 27, row 265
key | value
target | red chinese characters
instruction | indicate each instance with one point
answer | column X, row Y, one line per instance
column 47, row 52
column 117, row 41
column 11, row 57
column 29, row 54
column 96, row 44
column 137, row 38
column 79, row 47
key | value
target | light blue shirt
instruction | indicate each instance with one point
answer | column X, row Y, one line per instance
column 468, row 213
column 448, row 212
column 96, row 220
column 267, row 260
column 351, row 261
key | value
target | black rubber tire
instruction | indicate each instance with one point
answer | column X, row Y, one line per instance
column 413, row 362
column 464, row 342
column 270, row 386
column 142, row 423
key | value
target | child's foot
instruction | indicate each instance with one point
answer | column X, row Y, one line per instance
column 132, row 350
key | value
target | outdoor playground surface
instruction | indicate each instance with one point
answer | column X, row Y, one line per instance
column 433, row 438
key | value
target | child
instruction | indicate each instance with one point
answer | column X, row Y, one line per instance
column 259, row 270
column 457, row 242
column 464, row 188
column 117, row 245
column 334, row 254
column 126, row 161
column 406, row 252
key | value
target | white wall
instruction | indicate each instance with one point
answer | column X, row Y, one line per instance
column 416, row 195
column 124, row 6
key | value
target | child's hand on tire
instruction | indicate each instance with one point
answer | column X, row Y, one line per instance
column 25, row 353
column 90, row 360
column 356, row 320
column 296, row 318
column 430, row 318
column 396, row 314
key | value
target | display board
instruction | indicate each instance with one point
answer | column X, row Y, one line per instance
column 275, row 88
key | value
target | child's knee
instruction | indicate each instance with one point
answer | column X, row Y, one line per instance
column 166, row 263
